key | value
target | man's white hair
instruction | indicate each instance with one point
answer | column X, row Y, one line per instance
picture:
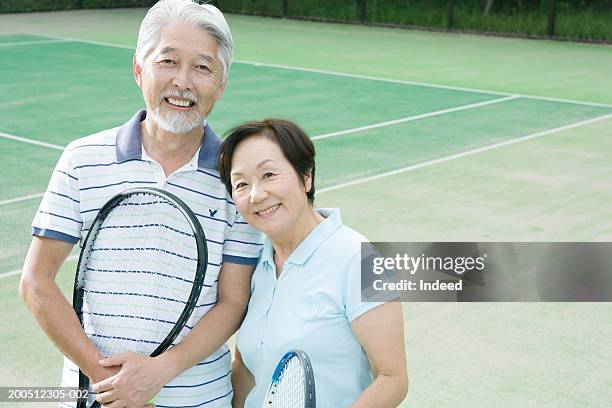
column 205, row 16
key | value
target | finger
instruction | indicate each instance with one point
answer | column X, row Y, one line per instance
column 102, row 386
column 113, row 360
column 105, row 398
column 114, row 404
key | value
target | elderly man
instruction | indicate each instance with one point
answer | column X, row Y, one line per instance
column 181, row 65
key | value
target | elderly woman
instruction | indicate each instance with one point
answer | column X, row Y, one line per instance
column 305, row 292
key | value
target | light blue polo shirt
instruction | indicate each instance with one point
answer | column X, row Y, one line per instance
column 309, row 307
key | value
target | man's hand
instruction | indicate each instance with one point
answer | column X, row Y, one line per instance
column 137, row 382
column 102, row 373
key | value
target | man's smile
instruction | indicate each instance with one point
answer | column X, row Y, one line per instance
column 181, row 103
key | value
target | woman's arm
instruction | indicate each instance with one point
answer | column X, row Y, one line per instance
column 380, row 332
column 242, row 380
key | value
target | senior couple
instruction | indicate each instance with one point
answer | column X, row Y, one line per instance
column 296, row 288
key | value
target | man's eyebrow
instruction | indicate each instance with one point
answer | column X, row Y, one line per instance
column 166, row 50
column 169, row 49
column 207, row 57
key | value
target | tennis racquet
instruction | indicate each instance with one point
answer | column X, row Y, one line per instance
column 293, row 384
column 140, row 274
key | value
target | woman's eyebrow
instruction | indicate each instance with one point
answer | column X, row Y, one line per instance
column 260, row 164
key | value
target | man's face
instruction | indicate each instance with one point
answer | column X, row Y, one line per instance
column 181, row 78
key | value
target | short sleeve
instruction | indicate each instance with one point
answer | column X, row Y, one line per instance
column 243, row 243
column 58, row 216
column 352, row 287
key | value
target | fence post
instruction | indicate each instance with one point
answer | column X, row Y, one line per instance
column 552, row 16
column 362, row 10
column 79, row 4
column 285, row 8
column 449, row 15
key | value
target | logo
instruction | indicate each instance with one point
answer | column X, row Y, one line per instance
column 212, row 212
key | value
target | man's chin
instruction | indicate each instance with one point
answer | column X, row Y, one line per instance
column 178, row 125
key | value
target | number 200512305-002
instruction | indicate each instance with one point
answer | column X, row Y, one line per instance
column 42, row 394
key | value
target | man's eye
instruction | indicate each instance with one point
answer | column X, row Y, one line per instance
column 203, row 68
column 167, row 61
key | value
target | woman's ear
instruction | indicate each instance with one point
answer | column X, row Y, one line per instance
column 308, row 181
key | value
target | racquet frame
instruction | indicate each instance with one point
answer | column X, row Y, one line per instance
column 309, row 381
column 202, row 249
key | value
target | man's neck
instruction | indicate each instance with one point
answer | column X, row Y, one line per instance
column 171, row 150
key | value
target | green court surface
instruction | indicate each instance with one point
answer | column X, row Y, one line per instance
column 419, row 137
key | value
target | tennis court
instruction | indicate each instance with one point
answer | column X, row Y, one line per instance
column 405, row 157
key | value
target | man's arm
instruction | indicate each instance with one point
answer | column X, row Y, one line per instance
column 218, row 325
column 210, row 333
column 51, row 309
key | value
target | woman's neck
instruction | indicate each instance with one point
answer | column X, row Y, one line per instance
column 285, row 245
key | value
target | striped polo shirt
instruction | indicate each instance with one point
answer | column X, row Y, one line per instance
column 92, row 170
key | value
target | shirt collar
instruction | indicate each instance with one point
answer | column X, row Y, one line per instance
column 309, row 245
column 129, row 143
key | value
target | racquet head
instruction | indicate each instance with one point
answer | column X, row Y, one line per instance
column 140, row 273
column 293, row 384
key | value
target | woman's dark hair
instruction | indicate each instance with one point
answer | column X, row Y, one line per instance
column 295, row 145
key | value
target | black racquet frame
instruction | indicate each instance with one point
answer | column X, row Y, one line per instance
column 202, row 249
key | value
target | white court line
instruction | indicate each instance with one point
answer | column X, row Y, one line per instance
column 17, row 44
column 18, row 271
column 104, row 44
column 319, row 137
column 425, row 164
column 372, row 78
column 424, row 84
column 20, row 199
column 31, row 141
column 464, row 154
column 401, row 120
column 413, row 118
column 419, row 165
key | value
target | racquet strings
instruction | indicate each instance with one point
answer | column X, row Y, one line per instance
column 290, row 389
column 138, row 276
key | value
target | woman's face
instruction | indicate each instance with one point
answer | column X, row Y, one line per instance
column 266, row 189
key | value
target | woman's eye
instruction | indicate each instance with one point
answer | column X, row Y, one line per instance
column 268, row 175
column 240, row 185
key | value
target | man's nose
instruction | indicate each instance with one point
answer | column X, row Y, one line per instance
column 182, row 79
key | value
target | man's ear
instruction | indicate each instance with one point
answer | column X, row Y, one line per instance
column 137, row 72
column 220, row 90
